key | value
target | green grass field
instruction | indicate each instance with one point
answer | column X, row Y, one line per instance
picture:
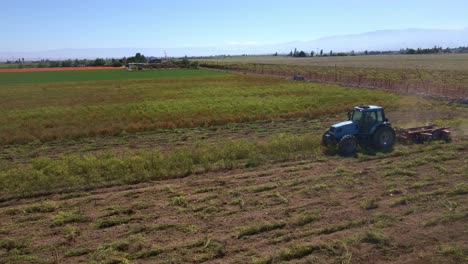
column 99, row 75
column 50, row 111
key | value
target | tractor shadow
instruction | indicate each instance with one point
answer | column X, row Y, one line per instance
column 361, row 150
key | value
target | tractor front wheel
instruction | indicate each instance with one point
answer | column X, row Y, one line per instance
column 326, row 139
column 348, row 145
column 384, row 138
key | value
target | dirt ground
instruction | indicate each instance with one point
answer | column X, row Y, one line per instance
column 407, row 206
column 403, row 209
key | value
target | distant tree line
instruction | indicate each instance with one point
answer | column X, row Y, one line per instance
column 80, row 62
column 301, row 54
column 75, row 63
column 68, row 63
column 151, row 62
column 434, row 50
column 185, row 63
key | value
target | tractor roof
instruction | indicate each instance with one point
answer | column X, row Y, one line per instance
column 367, row 108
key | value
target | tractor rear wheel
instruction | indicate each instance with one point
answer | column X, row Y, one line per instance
column 384, row 138
column 348, row 145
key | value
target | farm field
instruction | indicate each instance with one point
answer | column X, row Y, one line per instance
column 443, row 76
column 50, row 111
column 444, row 62
column 208, row 167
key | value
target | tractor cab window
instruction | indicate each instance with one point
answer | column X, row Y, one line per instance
column 379, row 117
column 368, row 121
column 371, row 117
column 356, row 115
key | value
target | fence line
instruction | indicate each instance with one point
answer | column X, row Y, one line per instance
column 423, row 87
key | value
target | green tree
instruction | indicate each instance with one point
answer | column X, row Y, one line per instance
column 54, row 64
column 301, row 54
column 66, row 63
column 321, row 52
column 99, row 62
column 140, row 58
column 116, row 63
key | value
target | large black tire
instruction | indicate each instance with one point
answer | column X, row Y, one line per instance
column 348, row 145
column 325, row 139
column 384, row 138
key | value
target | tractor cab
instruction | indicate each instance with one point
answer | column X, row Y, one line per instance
column 366, row 124
column 367, row 118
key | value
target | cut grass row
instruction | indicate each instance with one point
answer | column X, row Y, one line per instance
column 73, row 172
column 52, row 111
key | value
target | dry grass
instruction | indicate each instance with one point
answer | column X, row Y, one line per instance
column 436, row 75
column 446, row 62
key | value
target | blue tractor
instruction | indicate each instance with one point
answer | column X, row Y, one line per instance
column 366, row 125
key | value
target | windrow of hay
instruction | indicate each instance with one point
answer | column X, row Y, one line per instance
column 74, row 172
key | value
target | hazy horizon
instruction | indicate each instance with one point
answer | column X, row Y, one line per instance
column 207, row 27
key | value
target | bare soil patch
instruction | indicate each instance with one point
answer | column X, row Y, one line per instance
column 401, row 209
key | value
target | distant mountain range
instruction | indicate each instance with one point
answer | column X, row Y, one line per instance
column 387, row 40
column 376, row 40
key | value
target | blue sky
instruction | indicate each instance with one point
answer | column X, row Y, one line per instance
column 32, row 25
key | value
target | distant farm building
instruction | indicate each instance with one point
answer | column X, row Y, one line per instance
column 136, row 65
column 152, row 63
